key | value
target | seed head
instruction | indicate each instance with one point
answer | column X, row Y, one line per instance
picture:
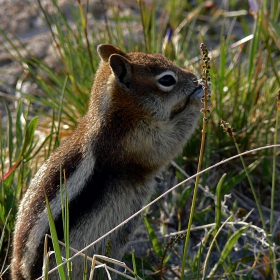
column 227, row 128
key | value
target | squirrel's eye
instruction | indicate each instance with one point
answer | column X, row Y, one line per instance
column 167, row 81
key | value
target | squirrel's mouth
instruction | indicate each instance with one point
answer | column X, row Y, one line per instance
column 177, row 109
column 180, row 107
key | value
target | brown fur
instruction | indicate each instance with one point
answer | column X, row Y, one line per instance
column 134, row 126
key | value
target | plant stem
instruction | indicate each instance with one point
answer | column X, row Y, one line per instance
column 193, row 199
column 229, row 130
column 274, row 164
column 251, row 185
column 202, row 146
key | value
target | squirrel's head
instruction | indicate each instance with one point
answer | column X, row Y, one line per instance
column 156, row 102
column 161, row 87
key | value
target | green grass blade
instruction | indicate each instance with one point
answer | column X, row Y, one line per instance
column 228, row 247
column 29, row 137
column 39, row 148
column 19, row 130
column 3, row 229
column 57, row 138
column 233, row 181
column 134, row 263
column 10, row 134
column 198, row 257
column 56, row 246
column 153, row 238
column 222, row 80
column 65, row 218
column 276, row 27
column 254, row 45
column 67, row 229
column 218, row 207
column 252, row 187
column 62, row 199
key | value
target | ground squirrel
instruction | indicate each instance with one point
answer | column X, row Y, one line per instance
column 142, row 110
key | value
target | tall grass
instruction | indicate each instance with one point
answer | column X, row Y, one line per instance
column 245, row 77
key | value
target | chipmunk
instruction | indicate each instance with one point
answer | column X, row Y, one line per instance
column 142, row 111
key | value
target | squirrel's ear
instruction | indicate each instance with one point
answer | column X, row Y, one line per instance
column 121, row 69
column 105, row 50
